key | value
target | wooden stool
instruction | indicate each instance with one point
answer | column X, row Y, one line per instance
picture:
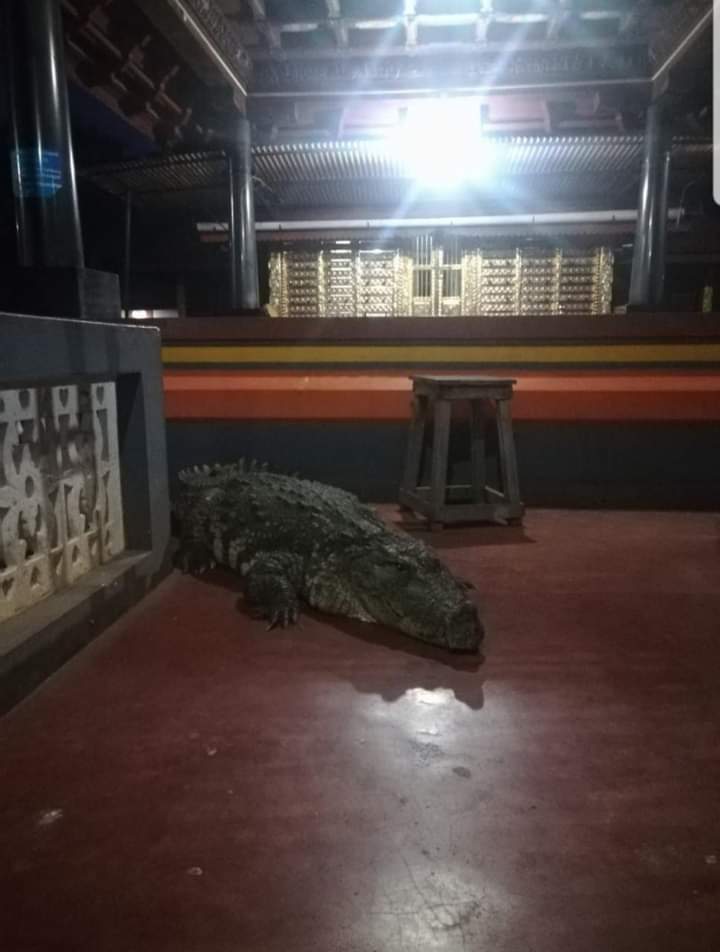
column 435, row 395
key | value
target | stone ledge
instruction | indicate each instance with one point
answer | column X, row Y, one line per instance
column 39, row 640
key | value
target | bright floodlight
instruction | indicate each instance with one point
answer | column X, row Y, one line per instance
column 441, row 145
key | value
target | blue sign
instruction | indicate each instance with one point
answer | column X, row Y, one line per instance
column 36, row 173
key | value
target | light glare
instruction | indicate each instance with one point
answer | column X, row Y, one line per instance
column 441, row 144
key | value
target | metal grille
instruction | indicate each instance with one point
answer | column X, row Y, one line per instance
column 60, row 499
column 538, row 284
column 376, row 282
column 340, row 280
column 277, row 280
column 582, row 284
column 303, row 271
column 497, row 282
column 426, row 277
column 451, row 277
column 423, row 277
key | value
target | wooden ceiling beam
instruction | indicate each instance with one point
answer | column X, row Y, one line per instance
column 559, row 19
column 265, row 28
column 204, row 37
column 466, row 47
column 336, row 23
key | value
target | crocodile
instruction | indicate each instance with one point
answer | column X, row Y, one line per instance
column 296, row 540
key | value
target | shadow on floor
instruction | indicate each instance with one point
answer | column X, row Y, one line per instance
column 436, row 667
column 469, row 536
column 440, row 672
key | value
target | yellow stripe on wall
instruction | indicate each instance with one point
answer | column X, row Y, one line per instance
column 400, row 354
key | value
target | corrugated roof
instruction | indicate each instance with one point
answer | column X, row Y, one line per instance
column 518, row 156
column 160, row 174
column 358, row 173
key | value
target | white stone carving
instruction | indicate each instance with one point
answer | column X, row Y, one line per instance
column 60, row 495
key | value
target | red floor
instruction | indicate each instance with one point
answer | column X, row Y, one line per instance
column 192, row 783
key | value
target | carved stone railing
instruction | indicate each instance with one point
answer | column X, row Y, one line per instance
column 60, row 495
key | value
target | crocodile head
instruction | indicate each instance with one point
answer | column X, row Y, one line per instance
column 406, row 586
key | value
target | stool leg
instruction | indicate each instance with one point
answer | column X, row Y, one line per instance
column 438, row 480
column 416, row 438
column 477, row 450
column 508, row 460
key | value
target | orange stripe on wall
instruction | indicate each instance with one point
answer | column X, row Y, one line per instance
column 671, row 396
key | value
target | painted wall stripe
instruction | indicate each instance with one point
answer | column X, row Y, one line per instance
column 408, row 354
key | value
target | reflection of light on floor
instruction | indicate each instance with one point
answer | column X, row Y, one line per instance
column 427, row 901
column 423, row 696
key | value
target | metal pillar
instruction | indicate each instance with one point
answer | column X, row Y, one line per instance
column 657, row 289
column 243, row 244
column 180, row 299
column 46, row 206
column 232, row 229
column 127, row 256
column 648, row 265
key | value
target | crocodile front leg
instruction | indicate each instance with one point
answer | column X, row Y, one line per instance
column 273, row 581
column 193, row 557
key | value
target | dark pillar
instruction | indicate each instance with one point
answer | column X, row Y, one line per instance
column 47, row 216
column 50, row 277
column 243, row 243
column 648, row 264
column 180, row 304
column 127, row 256
column 657, row 290
column 232, row 229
